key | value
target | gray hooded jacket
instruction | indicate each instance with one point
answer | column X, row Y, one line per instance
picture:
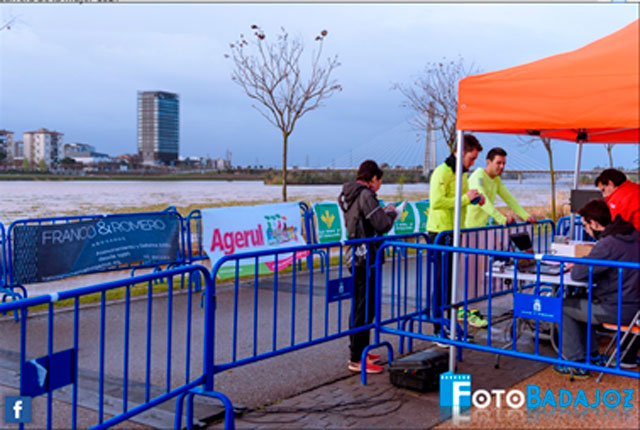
column 363, row 215
column 620, row 241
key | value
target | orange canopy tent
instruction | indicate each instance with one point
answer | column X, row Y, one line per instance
column 591, row 94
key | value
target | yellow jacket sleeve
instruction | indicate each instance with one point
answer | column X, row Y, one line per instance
column 488, row 206
column 440, row 182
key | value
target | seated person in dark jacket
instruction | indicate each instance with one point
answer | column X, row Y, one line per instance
column 616, row 241
column 364, row 218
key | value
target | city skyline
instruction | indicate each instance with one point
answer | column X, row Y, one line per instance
column 97, row 59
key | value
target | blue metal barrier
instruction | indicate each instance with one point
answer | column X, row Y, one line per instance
column 541, row 233
column 38, row 222
column 526, row 297
column 115, row 353
column 494, row 238
column 183, row 231
column 291, row 324
column 564, row 224
column 308, row 223
column 310, row 234
column 194, row 244
column 3, row 260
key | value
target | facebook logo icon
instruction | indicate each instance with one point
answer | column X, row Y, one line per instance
column 455, row 390
column 17, row 409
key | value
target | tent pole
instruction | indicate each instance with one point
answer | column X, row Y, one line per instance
column 576, row 185
column 456, row 242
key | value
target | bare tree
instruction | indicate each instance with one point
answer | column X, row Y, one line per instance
column 270, row 73
column 435, row 92
column 609, row 148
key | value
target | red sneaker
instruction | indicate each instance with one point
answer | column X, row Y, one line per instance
column 373, row 358
column 370, row 368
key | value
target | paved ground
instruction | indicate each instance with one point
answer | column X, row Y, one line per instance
column 345, row 403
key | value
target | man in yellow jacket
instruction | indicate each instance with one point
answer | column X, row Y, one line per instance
column 442, row 195
column 487, row 181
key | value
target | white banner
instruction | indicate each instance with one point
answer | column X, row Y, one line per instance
column 238, row 229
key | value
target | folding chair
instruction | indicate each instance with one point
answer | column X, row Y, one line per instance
column 632, row 329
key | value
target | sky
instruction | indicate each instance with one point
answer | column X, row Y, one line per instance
column 77, row 68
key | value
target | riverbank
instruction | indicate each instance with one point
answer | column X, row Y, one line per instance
column 267, row 176
column 147, row 176
column 37, row 199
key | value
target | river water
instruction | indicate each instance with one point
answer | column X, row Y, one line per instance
column 32, row 199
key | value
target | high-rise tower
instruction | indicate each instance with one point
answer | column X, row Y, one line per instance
column 158, row 127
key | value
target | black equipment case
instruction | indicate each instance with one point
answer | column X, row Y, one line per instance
column 420, row 371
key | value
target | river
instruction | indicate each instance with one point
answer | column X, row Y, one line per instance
column 32, row 199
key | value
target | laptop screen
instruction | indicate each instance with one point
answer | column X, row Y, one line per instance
column 521, row 241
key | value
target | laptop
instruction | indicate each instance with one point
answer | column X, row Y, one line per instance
column 521, row 242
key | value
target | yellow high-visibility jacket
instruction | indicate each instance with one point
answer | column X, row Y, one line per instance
column 477, row 215
column 442, row 194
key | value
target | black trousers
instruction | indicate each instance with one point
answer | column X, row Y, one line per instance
column 441, row 288
column 574, row 328
column 363, row 309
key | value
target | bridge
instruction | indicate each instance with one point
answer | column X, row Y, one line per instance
column 546, row 172
column 402, row 147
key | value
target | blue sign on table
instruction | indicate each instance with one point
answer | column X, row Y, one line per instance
column 537, row 307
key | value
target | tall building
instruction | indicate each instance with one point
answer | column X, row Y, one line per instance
column 6, row 144
column 158, row 127
column 43, row 145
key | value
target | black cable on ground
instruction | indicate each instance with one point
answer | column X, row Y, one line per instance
column 341, row 409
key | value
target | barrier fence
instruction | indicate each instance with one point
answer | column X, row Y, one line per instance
column 3, row 260
column 304, row 309
column 493, row 238
column 86, row 356
column 20, row 267
column 24, row 261
column 564, row 225
column 78, row 363
column 293, row 324
column 529, row 299
column 190, row 236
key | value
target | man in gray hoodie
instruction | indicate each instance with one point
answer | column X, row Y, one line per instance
column 617, row 240
column 364, row 218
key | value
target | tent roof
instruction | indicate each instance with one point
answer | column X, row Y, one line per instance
column 592, row 93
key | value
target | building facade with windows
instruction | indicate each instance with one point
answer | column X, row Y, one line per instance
column 85, row 153
column 44, row 145
column 16, row 152
column 6, row 145
column 158, row 127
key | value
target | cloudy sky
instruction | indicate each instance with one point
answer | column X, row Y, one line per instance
column 77, row 68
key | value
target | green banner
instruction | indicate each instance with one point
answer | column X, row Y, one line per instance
column 329, row 222
column 422, row 208
column 406, row 222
